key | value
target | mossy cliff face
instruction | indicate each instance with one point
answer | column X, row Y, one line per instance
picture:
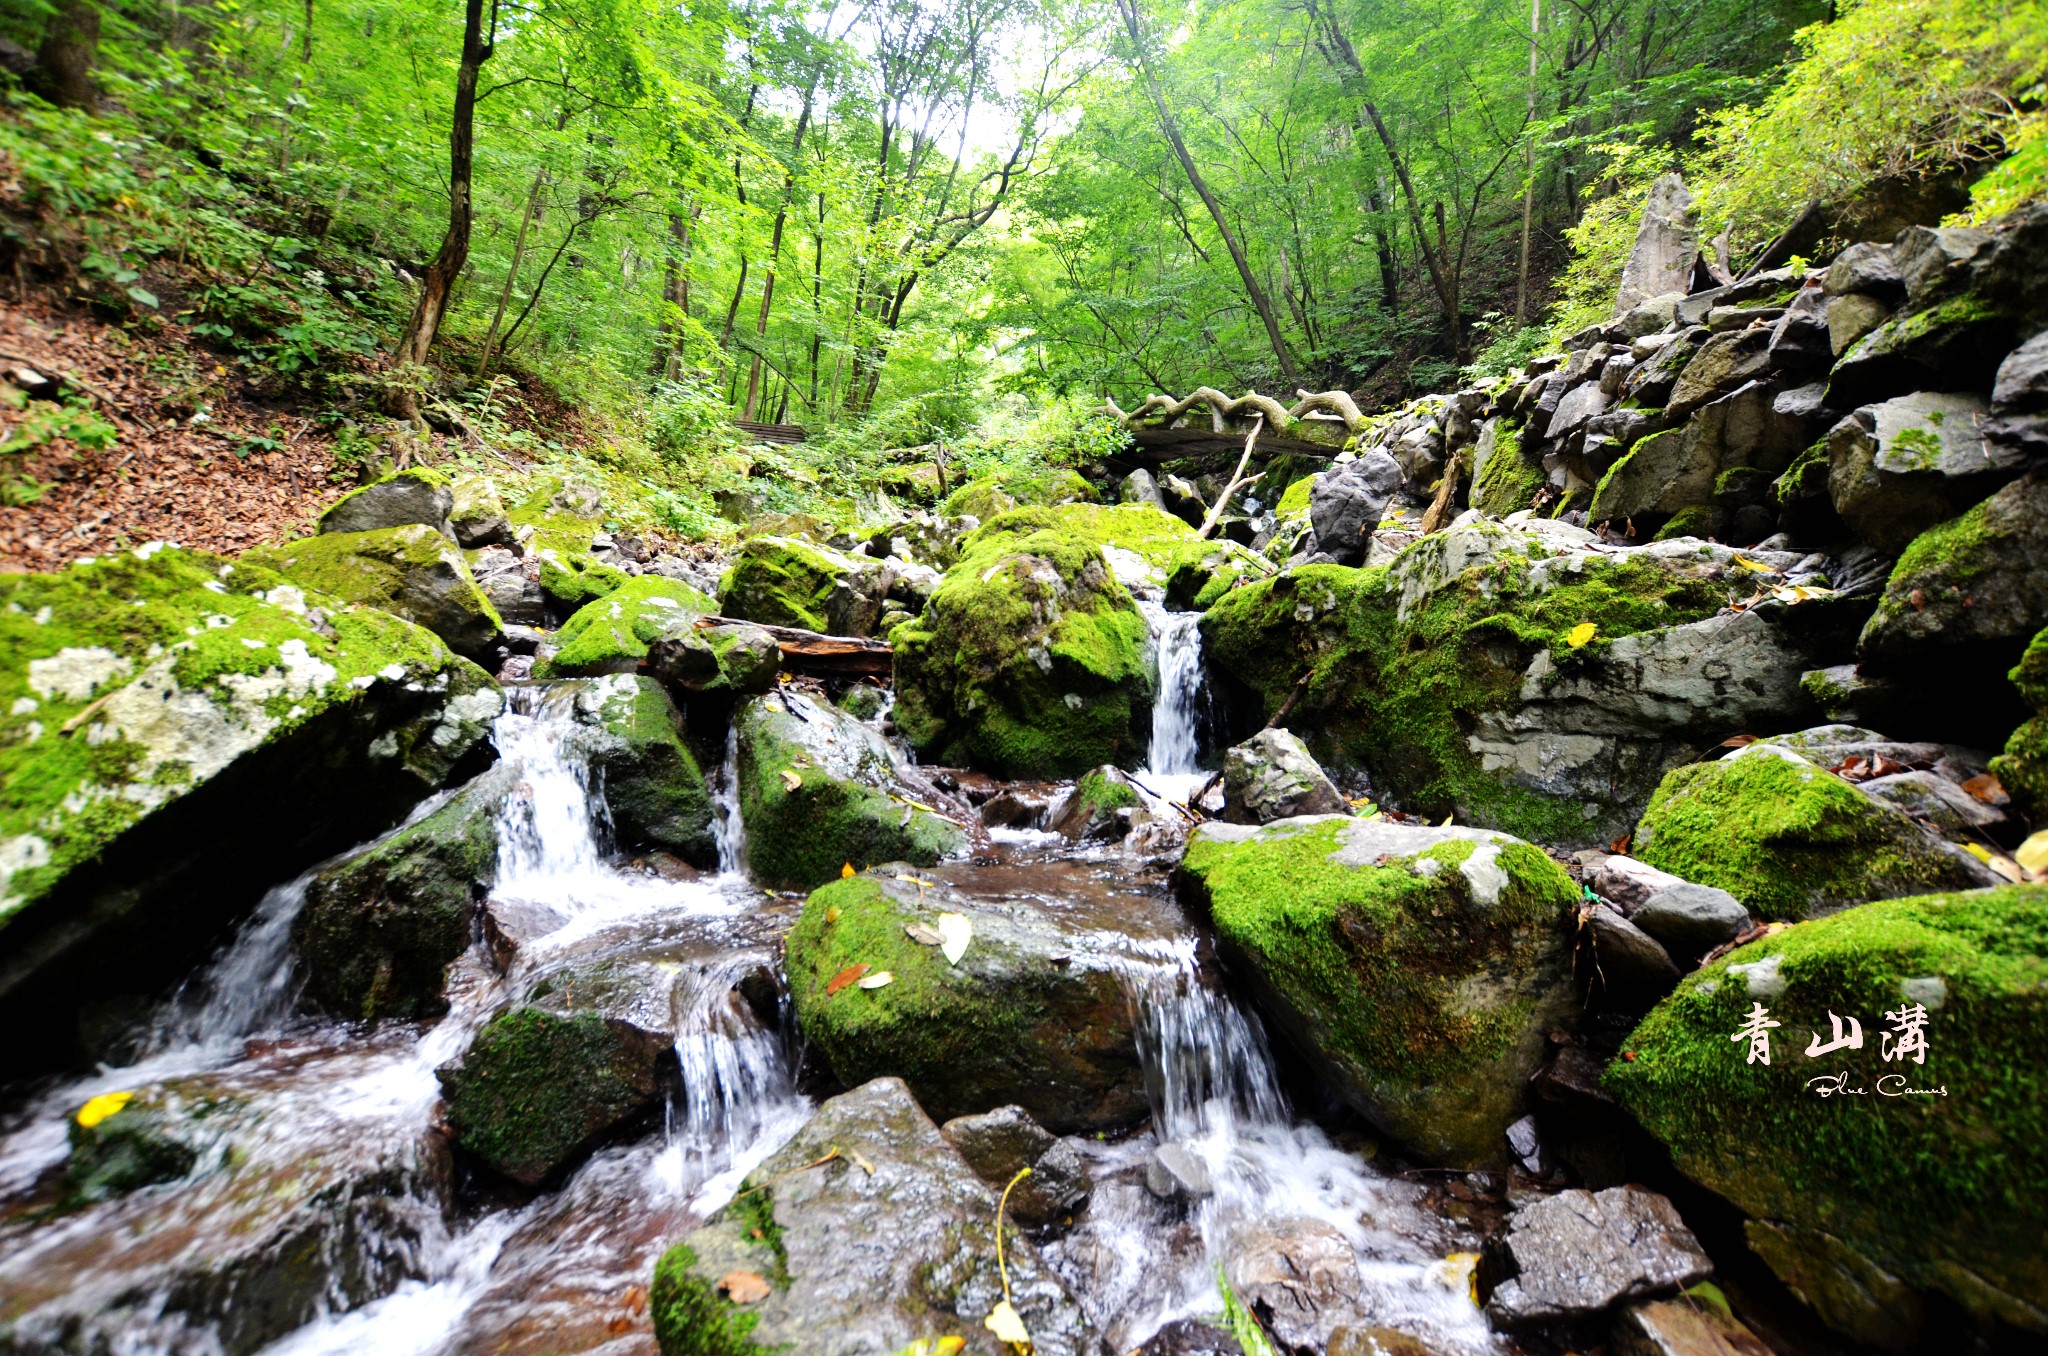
column 840, row 809
column 182, row 733
column 1030, row 659
column 379, row 930
column 412, row 572
column 786, row 581
column 1448, row 675
column 2023, row 767
column 1882, row 1188
column 1421, row 967
column 1788, row 838
column 633, row 736
column 537, row 1089
column 871, row 1233
column 1021, row 1019
column 612, row 635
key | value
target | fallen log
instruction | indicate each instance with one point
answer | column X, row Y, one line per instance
column 821, row 655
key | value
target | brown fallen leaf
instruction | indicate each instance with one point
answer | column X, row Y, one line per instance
column 1740, row 741
column 922, row 935
column 745, row 1287
column 1987, row 789
column 1619, row 847
column 845, row 977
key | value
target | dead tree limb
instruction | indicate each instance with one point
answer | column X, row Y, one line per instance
column 1238, row 480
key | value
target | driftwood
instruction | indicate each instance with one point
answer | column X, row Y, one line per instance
column 1445, row 504
column 1317, row 425
column 822, row 655
column 1238, row 480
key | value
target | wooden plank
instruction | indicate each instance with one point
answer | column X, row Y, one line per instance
column 772, row 433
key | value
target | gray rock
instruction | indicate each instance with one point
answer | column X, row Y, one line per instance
column 1724, row 362
column 1273, row 776
column 1183, row 500
column 1652, row 316
column 1658, row 372
column 1851, row 317
column 1869, row 269
column 1681, row 1328
column 1139, row 487
column 729, row 658
column 1579, row 404
column 1626, row 882
column 891, row 1242
column 1851, row 1293
column 1682, row 468
column 999, row 1144
column 1897, row 468
column 579, row 497
column 1345, row 504
column 1724, row 318
column 1983, row 577
column 1937, row 800
column 477, row 515
column 512, row 582
column 1691, row 920
column 1175, row 1172
column 1631, row 967
column 1302, row 1275
column 2019, row 399
column 1660, row 263
column 1098, row 806
column 1931, row 257
column 408, row 497
column 413, row 571
column 1578, row 1252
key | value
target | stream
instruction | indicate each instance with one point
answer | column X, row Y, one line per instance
column 328, row 1216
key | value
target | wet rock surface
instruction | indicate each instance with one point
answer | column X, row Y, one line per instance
column 1578, row 1252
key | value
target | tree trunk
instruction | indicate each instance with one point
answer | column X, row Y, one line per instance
column 668, row 362
column 1528, row 173
column 540, row 182
column 1260, row 302
column 454, row 252
column 796, row 147
column 71, row 43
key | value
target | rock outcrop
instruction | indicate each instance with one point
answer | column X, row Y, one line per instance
column 412, row 572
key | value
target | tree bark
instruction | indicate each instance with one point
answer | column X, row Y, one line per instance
column 71, row 44
column 796, row 147
column 1260, row 302
column 540, row 182
column 1528, row 172
column 447, row 265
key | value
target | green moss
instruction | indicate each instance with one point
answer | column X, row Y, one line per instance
column 412, row 572
column 2023, row 767
column 653, row 788
column 1925, row 1186
column 1294, row 501
column 753, row 1212
column 418, row 475
column 1377, row 959
column 691, row 1317
column 1102, row 795
column 1787, row 838
column 527, row 1091
column 612, row 634
column 783, row 581
column 991, row 495
column 142, row 1144
column 1509, row 481
column 240, row 635
column 1398, row 691
column 570, row 575
column 1807, row 476
column 1698, row 520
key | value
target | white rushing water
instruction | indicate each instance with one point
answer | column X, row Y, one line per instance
column 315, row 1107
column 1173, row 770
column 1215, row 1093
column 728, row 829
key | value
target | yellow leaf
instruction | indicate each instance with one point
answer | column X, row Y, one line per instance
column 880, row 979
column 956, row 930
column 1007, row 1326
column 832, row 913
column 791, row 780
column 1447, row 821
column 846, row 870
column 1582, row 635
column 2008, row 868
column 1746, row 563
column 860, row 1161
column 102, row 1106
column 1979, row 851
column 2033, row 854
column 948, row 1346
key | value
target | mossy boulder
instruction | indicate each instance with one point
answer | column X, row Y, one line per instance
column 1920, row 1174
column 182, row 733
column 1980, row 580
column 1022, row 1018
column 991, row 495
column 612, row 635
column 1418, row 967
column 556, row 525
column 890, row 1240
column 728, row 659
column 1506, row 479
column 1790, row 839
column 819, row 790
column 1031, row 658
column 787, row 581
column 538, row 1089
column 1450, row 678
column 2023, row 767
column 123, row 1141
column 380, row 929
column 412, row 572
column 653, row 789
column 421, row 495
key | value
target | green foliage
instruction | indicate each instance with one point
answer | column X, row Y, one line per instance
column 1243, row 1326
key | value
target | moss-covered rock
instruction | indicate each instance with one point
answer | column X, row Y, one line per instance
column 537, row 1090
column 818, row 791
column 991, row 495
column 182, row 733
column 612, row 635
column 123, row 1141
column 556, row 525
column 872, row 1233
column 1031, row 658
column 633, row 736
column 1926, row 1174
column 1450, row 677
column 786, row 581
column 1978, row 579
column 380, row 929
column 1791, row 839
column 2023, row 767
column 1419, row 967
column 412, row 572
column 729, row 660
column 1508, row 479
column 1022, row 1018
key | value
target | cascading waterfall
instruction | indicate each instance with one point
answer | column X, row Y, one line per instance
column 738, row 1101
column 1176, row 734
column 728, row 829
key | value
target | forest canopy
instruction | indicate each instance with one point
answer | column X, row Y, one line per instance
column 892, row 221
